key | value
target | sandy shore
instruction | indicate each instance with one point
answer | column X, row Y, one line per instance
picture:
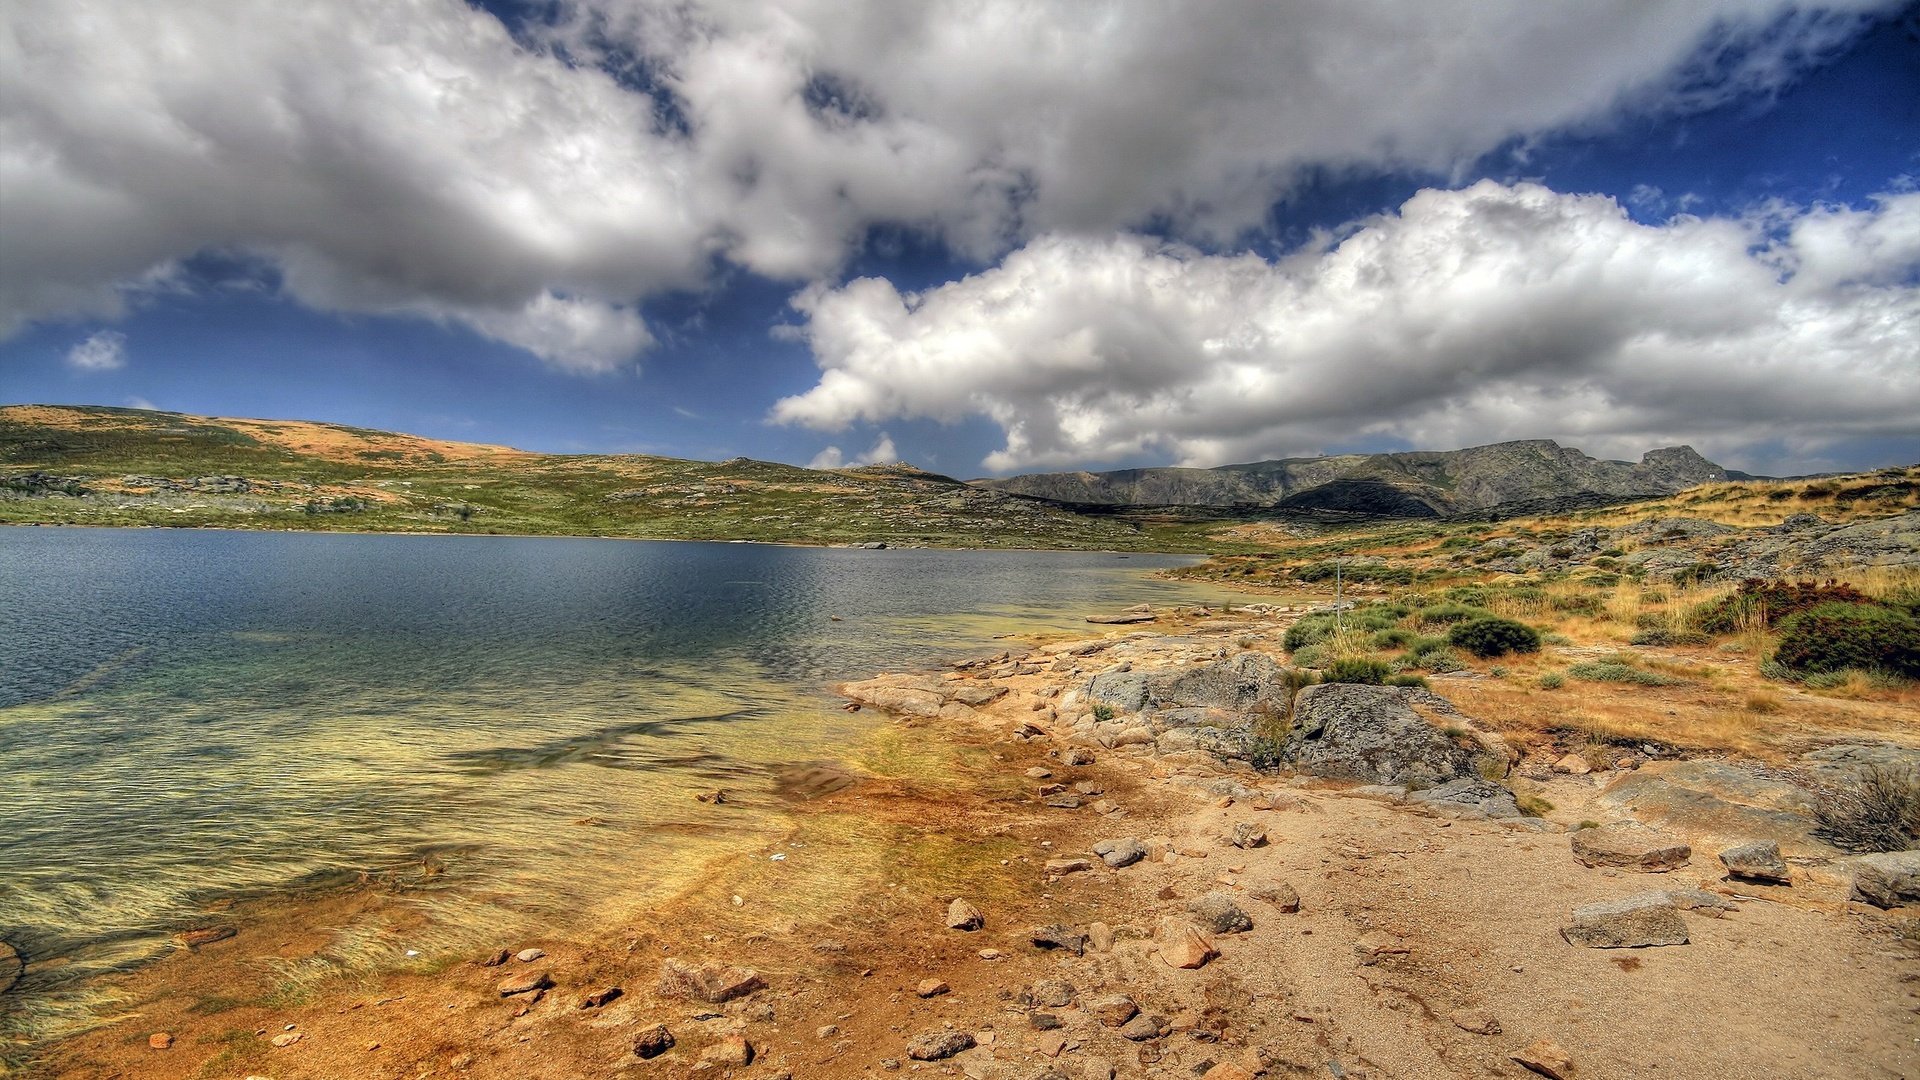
column 1381, row 938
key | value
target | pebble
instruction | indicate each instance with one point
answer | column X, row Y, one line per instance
column 528, row 956
column 160, row 1040
column 964, row 916
column 932, row 988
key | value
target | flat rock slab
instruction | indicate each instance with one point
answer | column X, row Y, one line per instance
column 1632, row 923
column 1886, row 880
column 525, row 982
column 1119, row 853
column 1630, row 846
column 1719, row 801
column 939, row 1045
column 1217, row 912
column 1756, row 861
column 711, row 983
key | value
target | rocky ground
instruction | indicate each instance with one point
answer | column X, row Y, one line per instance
column 1120, row 892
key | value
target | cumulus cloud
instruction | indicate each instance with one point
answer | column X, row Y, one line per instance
column 1467, row 316
column 833, row 458
column 104, row 350
column 414, row 157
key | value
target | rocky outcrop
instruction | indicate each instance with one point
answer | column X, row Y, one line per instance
column 1630, row 845
column 1377, row 735
column 1244, row 683
column 1716, row 801
column 1887, row 879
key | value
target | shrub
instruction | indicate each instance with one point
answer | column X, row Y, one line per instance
column 1102, row 711
column 1494, row 636
column 1878, row 811
column 1392, row 638
column 1771, row 601
column 1438, row 661
column 1613, row 671
column 1310, row 630
column 1834, row 637
column 1408, row 680
column 1578, row 604
column 1450, row 613
column 1552, row 680
column 1357, row 669
column 1665, row 635
column 1312, row 656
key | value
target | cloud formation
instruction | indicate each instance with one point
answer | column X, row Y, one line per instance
column 1466, row 317
column 105, row 350
column 415, row 157
column 833, row 457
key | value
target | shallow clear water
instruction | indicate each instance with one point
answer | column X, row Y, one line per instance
column 190, row 713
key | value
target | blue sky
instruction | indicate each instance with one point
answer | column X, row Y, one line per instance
column 1712, row 238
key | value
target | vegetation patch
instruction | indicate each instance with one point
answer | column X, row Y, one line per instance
column 1493, row 636
column 1836, row 637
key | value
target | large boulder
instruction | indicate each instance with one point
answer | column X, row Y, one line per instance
column 1378, row 735
column 1888, row 879
column 1245, row 683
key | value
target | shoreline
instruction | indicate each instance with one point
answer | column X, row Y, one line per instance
column 1419, row 941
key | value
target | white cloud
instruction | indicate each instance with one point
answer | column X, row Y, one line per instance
column 104, row 350
column 834, row 458
column 1468, row 316
column 409, row 156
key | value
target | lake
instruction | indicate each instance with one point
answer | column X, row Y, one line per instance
column 190, row 715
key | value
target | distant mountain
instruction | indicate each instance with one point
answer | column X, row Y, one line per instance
column 1530, row 475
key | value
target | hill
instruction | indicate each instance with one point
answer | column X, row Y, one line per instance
column 107, row 466
column 1527, row 476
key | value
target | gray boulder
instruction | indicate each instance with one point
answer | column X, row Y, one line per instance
column 1216, row 912
column 1374, row 734
column 1758, row 860
column 1470, row 795
column 1239, row 684
column 1887, row 879
column 1631, row 923
column 1119, row 853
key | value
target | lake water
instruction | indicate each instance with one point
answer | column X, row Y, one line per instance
column 186, row 715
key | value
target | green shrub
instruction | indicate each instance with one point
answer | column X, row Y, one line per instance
column 1613, row 671
column 1666, row 635
column 1392, row 638
column 1772, row 601
column 1578, row 604
column 1552, row 680
column 1493, row 636
column 1449, row 613
column 1313, row 656
column 1310, row 630
column 1834, row 637
column 1102, row 711
column 1408, row 680
column 1357, row 669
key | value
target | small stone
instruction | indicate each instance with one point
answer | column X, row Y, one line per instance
column 1039, row 773
column 1217, row 912
column 286, row 1039
column 826, row 1031
column 1143, row 1027
column 1544, row 1056
column 1050, row 1045
column 206, row 935
column 1077, row 756
column 731, row 1052
column 1247, row 835
column 1280, row 894
column 1064, row 802
column 1063, row 867
column 1122, row 852
column 1056, row 936
column 1112, row 1010
column 1757, row 861
column 932, row 988
column 711, row 983
column 1227, row 1070
column 1634, row 922
column 160, row 1040
column 1044, row 1021
column 1572, row 765
column 1477, row 1021
column 528, row 956
column 653, row 1041
column 525, row 982
column 939, row 1045
column 1051, row 993
column 601, row 997
column 1100, row 937
column 964, row 916
column 1184, row 946
column 1630, row 846
column 496, row 958
column 991, row 954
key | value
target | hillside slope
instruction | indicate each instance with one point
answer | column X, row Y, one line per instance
column 1535, row 474
column 105, row 466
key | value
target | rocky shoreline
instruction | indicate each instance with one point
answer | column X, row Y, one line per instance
column 1118, row 891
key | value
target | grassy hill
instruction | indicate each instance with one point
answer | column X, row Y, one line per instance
column 106, row 466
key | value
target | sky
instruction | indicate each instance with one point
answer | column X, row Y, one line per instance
column 986, row 237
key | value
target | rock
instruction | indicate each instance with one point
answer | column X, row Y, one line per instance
column 939, row 1045
column 1469, row 796
column 285, row 1039
column 1040, row 1021
column 1051, row 994
column 1078, row 755
column 932, row 988
column 1758, row 860
column 711, row 983
column 601, row 997
column 160, row 1040
column 1217, row 912
column 1063, row 867
column 1712, row 905
column 1476, row 1021
column 1374, row 734
column 1184, row 946
column 715, row 796
column 1124, row 619
column 979, row 696
column 1887, row 879
column 1112, row 1010
column 496, row 958
column 964, row 916
column 1144, row 1027
column 206, row 935
column 1228, row 1070
column 1716, row 801
column 1123, row 852
column 1057, row 936
column 731, row 1052
column 1630, row 923
column 528, row 956
column 1630, row 846
column 1037, row 773
column 1544, row 1056
column 1100, row 937
column 1280, row 894
column 1573, row 765
column 653, row 1041
column 1246, row 834
column 525, row 982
